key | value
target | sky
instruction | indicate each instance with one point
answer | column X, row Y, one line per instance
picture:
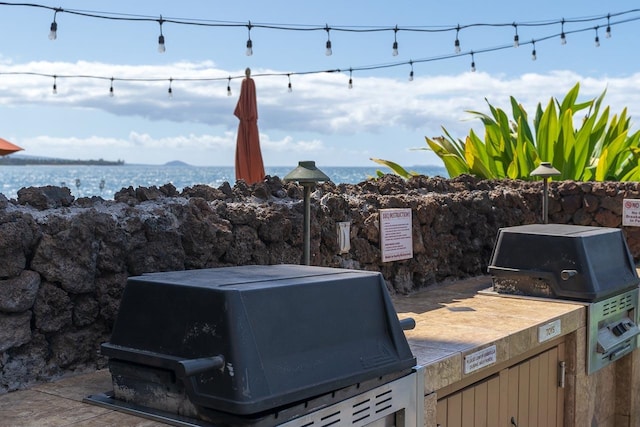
column 384, row 115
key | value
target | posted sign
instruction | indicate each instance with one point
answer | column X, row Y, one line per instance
column 395, row 234
column 631, row 212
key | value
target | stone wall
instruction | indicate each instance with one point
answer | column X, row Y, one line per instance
column 65, row 262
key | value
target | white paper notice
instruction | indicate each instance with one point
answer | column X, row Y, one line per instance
column 396, row 240
column 631, row 212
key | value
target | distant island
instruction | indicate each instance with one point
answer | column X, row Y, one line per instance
column 22, row 160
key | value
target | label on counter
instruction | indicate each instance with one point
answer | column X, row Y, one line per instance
column 550, row 330
column 480, row 359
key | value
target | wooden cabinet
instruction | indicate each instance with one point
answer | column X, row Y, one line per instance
column 527, row 394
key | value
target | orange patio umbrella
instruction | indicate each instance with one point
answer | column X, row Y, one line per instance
column 249, row 166
column 7, row 148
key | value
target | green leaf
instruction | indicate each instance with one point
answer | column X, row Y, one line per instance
column 396, row 168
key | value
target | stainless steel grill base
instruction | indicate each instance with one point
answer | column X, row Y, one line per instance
column 613, row 329
column 397, row 403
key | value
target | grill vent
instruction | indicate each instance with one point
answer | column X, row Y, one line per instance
column 615, row 305
column 364, row 409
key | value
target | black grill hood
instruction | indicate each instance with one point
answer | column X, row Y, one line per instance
column 248, row 339
column 562, row 261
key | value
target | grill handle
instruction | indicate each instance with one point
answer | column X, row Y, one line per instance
column 407, row 324
column 191, row 367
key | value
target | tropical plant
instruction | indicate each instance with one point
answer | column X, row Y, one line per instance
column 599, row 149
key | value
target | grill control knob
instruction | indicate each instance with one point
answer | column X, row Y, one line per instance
column 567, row 274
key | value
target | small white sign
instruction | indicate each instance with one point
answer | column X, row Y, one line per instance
column 480, row 359
column 550, row 330
column 396, row 240
column 631, row 212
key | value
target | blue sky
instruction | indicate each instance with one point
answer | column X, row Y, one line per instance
column 384, row 115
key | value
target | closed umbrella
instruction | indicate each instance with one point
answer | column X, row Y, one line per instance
column 249, row 166
column 7, row 148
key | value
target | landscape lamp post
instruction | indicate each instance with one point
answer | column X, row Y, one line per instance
column 307, row 175
column 545, row 170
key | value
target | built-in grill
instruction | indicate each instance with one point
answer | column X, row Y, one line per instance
column 262, row 346
column 586, row 264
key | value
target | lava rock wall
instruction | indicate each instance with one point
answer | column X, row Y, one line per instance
column 65, row 261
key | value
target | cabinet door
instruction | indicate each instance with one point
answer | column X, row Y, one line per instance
column 523, row 395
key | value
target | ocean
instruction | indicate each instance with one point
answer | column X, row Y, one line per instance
column 105, row 181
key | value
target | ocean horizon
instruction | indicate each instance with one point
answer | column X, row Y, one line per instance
column 105, row 181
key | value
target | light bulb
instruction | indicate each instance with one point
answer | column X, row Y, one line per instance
column 55, row 89
column 411, row 76
column 395, row 49
column 597, row 41
column 161, row 47
column 516, row 41
column 53, row 33
column 170, row 93
column 249, row 47
column 534, row 56
column 229, row 87
column 473, row 67
column 328, row 51
column 111, row 91
column 563, row 39
column 289, row 88
column 350, row 83
column 608, row 33
column 456, row 44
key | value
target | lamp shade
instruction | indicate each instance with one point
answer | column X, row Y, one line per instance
column 545, row 170
column 306, row 172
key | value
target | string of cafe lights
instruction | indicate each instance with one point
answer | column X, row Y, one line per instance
column 594, row 23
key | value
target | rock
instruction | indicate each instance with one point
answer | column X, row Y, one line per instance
column 19, row 294
column 48, row 197
column 19, row 235
column 85, row 310
column 52, row 310
column 26, row 364
column 68, row 254
column 15, row 330
column 75, row 347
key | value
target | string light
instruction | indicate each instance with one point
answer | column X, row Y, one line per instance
column 516, row 38
column 394, row 52
column 350, row 79
column 328, row 51
column 53, row 30
column 55, row 86
column 289, row 88
column 229, row 87
column 534, row 55
column 249, row 42
column 327, row 29
column 170, row 91
column 161, row 47
column 111, row 88
column 473, row 63
column 597, row 41
column 297, row 27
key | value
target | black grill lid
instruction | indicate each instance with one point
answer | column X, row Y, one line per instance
column 574, row 262
column 248, row 339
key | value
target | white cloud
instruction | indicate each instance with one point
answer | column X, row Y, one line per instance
column 319, row 118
